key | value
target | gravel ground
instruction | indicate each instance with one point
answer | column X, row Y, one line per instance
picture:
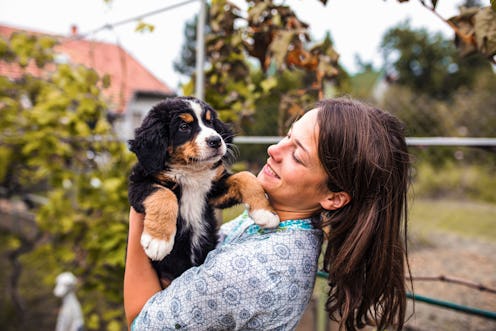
column 450, row 255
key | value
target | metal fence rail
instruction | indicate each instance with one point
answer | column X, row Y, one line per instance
column 412, row 141
column 440, row 303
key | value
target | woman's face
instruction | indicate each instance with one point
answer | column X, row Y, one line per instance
column 293, row 177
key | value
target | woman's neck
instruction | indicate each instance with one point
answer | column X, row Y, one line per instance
column 285, row 215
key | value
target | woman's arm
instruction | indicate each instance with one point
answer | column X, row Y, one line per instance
column 140, row 279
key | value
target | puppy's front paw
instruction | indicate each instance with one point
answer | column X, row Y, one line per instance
column 264, row 218
column 155, row 248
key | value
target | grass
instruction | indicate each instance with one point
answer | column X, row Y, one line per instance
column 465, row 218
column 231, row 213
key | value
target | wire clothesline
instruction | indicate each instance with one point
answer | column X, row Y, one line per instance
column 110, row 26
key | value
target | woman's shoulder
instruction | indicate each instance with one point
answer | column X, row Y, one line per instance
column 242, row 230
column 274, row 248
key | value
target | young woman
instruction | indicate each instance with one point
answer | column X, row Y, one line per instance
column 343, row 168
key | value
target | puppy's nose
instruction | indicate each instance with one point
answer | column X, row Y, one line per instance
column 214, row 141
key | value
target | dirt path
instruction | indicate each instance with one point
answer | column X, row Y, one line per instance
column 451, row 255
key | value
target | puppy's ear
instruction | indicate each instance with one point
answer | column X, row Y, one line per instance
column 150, row 144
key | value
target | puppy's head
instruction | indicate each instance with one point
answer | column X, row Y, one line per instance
column 180, row 131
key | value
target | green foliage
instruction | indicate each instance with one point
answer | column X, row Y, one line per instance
column 24, row 48
column 467, row 218
column 269, row 119
column 475, row 182
column 273, row 35
column 469, row 112
column 228, row 87
column 474, row 107
column 186, row 62
column 422, row 115
column 438, row 102
column 144, row 27
column 56, row 143
column 428, row 63
column 364, row 82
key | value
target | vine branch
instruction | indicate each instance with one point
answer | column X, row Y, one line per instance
column 468, row 39
column 455, row 280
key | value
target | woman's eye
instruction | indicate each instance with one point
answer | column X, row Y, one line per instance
column 296, row 159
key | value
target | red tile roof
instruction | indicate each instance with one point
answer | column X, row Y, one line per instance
column 127, row 74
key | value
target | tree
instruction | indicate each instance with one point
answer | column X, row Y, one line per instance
column 436, row 92
column 272, row 35
column 428, row 63
column 186, row 63
column 60, row 154
column 187, row 60
column 474, row 27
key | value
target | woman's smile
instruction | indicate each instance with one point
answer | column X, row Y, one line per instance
column 270, row 172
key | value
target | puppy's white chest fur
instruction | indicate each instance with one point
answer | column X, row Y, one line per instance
column 194, row 188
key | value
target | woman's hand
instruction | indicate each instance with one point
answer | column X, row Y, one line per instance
column 140, row 279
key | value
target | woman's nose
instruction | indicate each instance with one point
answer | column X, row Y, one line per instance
column 274, row 151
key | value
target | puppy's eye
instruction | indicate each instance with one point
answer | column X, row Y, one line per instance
column 184, row 126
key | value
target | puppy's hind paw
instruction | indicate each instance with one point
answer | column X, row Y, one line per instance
column 156, row 249
column 265, row 218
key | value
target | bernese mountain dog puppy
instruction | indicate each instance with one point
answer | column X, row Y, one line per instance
column 179, row 179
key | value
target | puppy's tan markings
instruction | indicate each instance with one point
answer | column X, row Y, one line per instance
column 219, row 172
column 164, row 177
column 185, row 153
column 188, row 118
column 208, row 115
column 244, row 186
column 161, row 214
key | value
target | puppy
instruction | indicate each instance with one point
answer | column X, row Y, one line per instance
column 179, row 179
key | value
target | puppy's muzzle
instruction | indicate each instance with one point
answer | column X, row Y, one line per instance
column 214, row 142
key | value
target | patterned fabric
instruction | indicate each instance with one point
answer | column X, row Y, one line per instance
column 255, row 279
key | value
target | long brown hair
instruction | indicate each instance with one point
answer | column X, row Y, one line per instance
column 364, row 152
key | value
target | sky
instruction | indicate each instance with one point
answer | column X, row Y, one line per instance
column 356, row 26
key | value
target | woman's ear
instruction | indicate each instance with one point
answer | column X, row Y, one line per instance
column 335, row 200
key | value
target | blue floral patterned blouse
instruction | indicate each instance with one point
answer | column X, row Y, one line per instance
column 255, row 279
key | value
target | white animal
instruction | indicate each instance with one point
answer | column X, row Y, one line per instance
column 70, row 317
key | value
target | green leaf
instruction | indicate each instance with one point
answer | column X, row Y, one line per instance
column 189, row 88
column 93, row 322
column 268, row 84
column 106, row 81
column 144, row 27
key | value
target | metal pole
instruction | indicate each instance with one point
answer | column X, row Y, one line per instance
column 200, row 51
